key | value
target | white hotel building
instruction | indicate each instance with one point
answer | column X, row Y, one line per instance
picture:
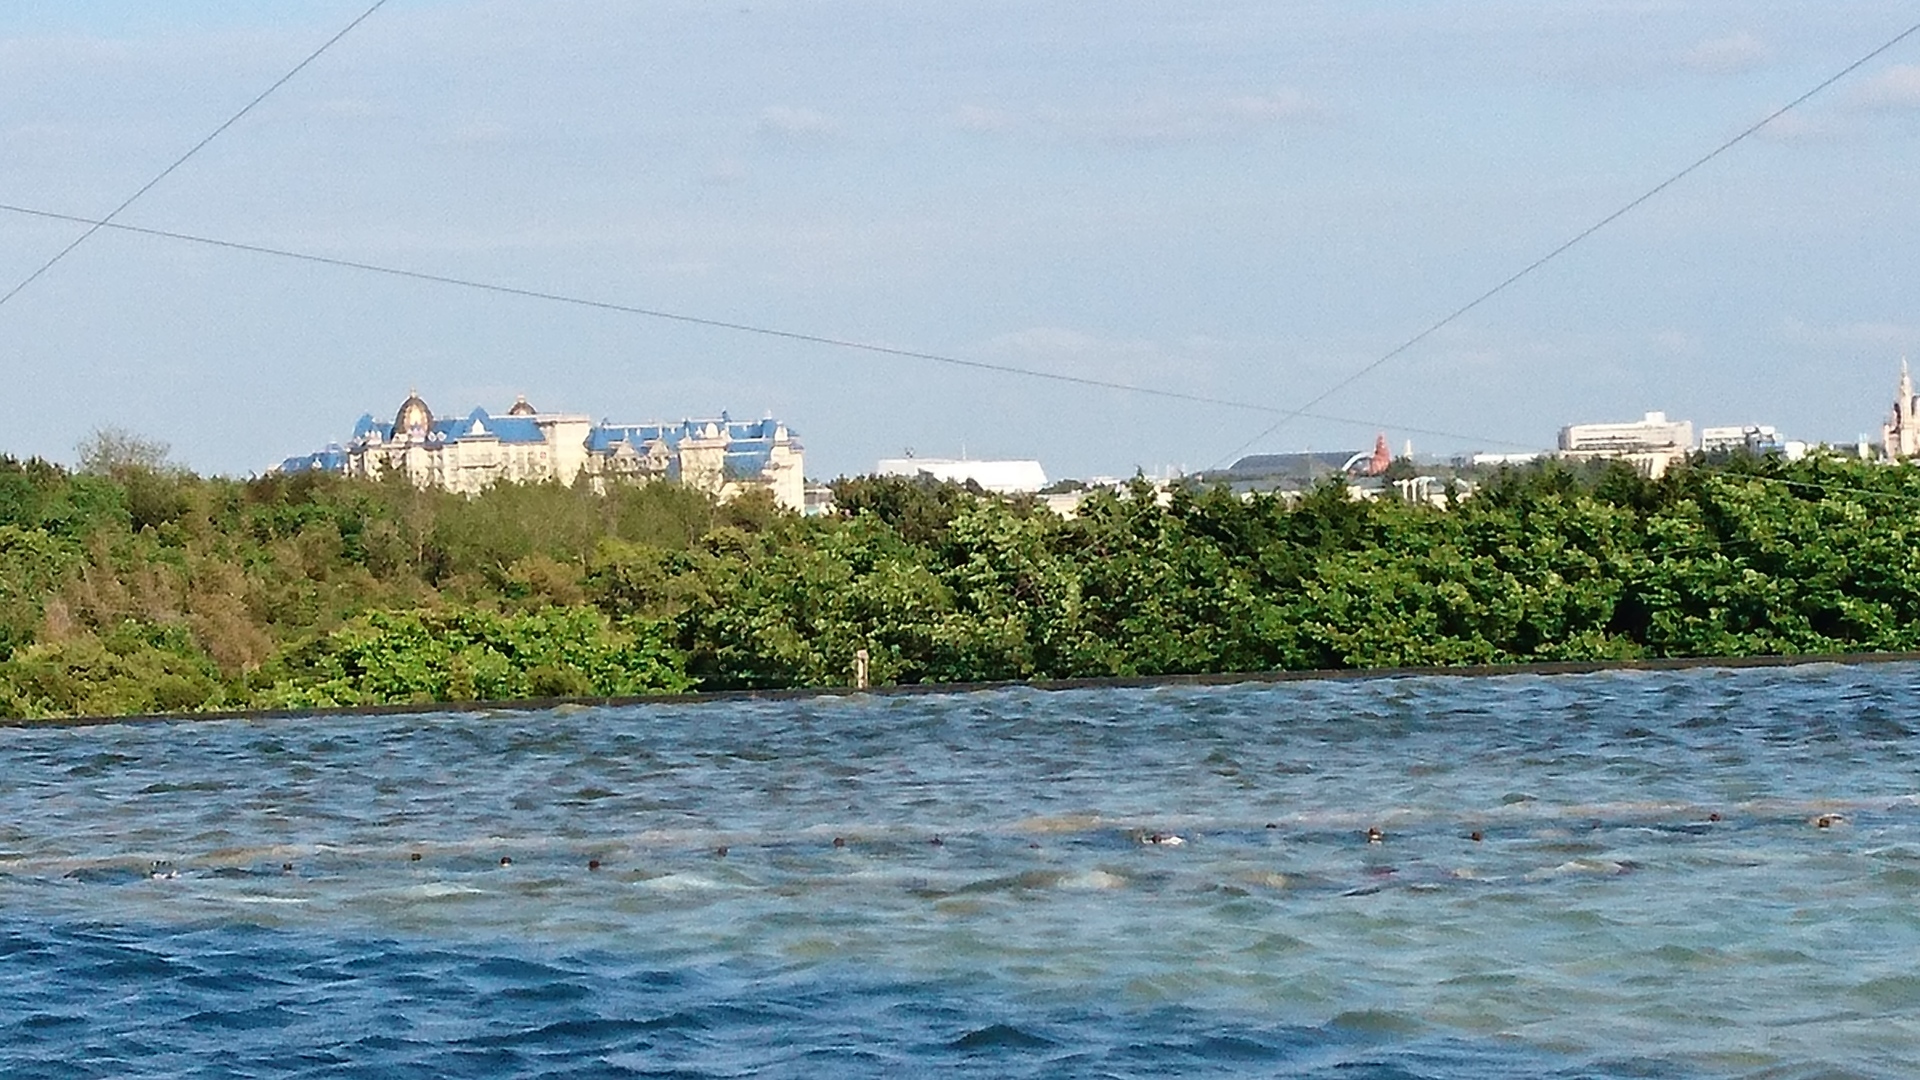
column 721, row 456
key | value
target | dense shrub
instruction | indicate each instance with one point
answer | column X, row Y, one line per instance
column 142, row 588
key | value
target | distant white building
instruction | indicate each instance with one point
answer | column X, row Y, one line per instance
column 1505, row 459
column 1652, row 432
column 1751, row 438
column 1651, row 443
column 1022, row 477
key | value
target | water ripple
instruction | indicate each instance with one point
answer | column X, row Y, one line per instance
column 1698, row 873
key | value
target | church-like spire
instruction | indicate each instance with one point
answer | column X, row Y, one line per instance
column 1901, row 437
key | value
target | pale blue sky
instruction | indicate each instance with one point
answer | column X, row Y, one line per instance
column 1242, row 200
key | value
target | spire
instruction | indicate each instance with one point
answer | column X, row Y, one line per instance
column 1382, row 457
column 1901, row 439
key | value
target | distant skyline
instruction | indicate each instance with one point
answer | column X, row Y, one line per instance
column 1246, row 201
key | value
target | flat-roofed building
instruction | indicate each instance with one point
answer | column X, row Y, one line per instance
column 1650, row 444
column 1751, row 439
column 1651, row 432
column 1006, row 477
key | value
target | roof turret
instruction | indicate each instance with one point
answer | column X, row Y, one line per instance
column 414, row 418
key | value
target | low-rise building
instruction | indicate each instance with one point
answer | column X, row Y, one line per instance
column 1751, row 439
column 1650, row 433
column 723, row 457
column 817, row 500
column 1651, row 444
column 1010, row 477
column 1495, row 460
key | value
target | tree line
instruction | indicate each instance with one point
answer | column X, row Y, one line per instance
column 131, row 586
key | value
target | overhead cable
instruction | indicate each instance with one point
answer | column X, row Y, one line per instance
column 723, row 324
column 1367, row 369
column 101, row 223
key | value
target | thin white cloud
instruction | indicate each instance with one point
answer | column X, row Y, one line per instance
column 796, row 124
column 1727, row 55
column 50, row 133
column 1897, row 87
column 1152, row 121
column 1287, row 104
column 979, row 118
column 1174, row 121
column 724, row 172
column 1142, row 362
column 1884, row 337
column 55, row 50
column 347, row 108
column 480, row 133
column 1800, row 127
column 1676, row 343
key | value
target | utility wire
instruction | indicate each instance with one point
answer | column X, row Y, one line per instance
column 1285, row 415
column 97, row 225
column 327, row 260
column 723, row 324
column 1543, row 260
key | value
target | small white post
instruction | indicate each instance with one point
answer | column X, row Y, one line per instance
column 860, row 669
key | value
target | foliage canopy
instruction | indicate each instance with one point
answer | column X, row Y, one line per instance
column 132, row 586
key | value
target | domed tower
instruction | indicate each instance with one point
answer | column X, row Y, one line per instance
column 521, row 408
column 414, row 418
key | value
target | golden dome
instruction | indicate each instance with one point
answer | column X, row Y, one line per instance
column 414, row 418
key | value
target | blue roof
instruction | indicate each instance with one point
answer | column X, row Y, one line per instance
column 606, row 435
column 748, row 461
column 749, row 443
column 332, row 459
column 508, row 429
column 516, row 429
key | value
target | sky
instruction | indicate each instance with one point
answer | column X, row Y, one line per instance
column 1244, row 201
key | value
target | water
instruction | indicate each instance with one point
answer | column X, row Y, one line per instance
column 241, row 898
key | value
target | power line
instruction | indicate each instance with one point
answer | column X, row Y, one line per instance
column 725, row 324
column 533, row 294
column 96, row 226
column 1543, row 260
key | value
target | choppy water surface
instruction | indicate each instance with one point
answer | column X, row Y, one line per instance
column 242, row 899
